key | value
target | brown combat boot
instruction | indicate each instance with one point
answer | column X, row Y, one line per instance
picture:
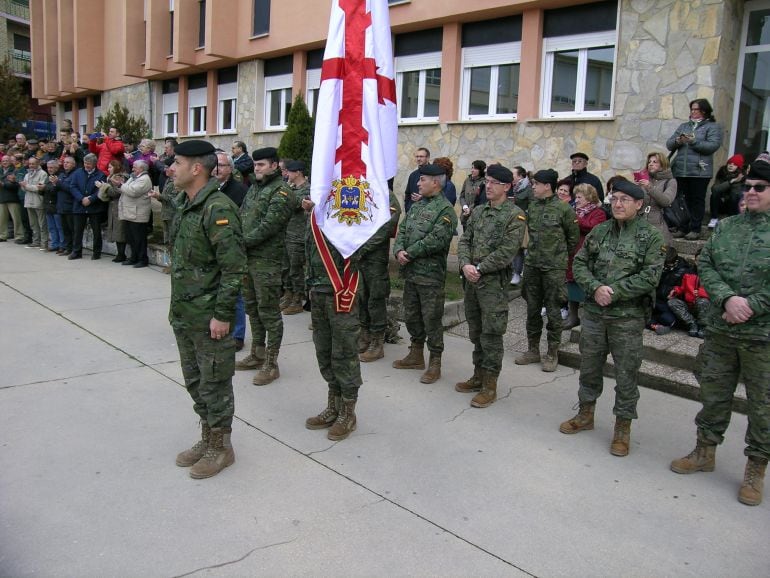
column 532, row 355
column 283, row 303
column 218, row 455
column 753, row 482
column 294, row 305
column 488, row 394
column 621, row 438
column 253, row 360
column 188, row 458
column 269, row 372
column 364, row 339
column 328, row 416
column 346, row 421
column 414, row 360
column 473, row 383
column 701, row 459
column 584, row 420
column 433, row 373
column 551, row 359
column 375, row 350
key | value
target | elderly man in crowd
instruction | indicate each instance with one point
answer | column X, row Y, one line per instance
column 618, row 267
column 492, row 237
column 553, row 235
column 421, row 249
column 34, row 184
column 87, row 209
column 134, row 209
column 734, row 267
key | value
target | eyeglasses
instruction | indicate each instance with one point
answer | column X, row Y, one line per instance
column 757, row 188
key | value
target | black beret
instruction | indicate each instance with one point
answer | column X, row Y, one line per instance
column 759, row 170
column 265, row 153
column 194, row 148
column 545, row 176
column 580, row 155
column 295, row 166
column 631, row 189
column 432, row 170
column 500, row 173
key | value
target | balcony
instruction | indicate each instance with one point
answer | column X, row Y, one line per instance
column 20, row 62
column 15, row 10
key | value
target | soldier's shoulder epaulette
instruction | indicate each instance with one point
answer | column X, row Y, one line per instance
column 521, row 217
column 282, row 192
column 447, row 219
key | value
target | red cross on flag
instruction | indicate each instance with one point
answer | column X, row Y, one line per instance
column 354, row 151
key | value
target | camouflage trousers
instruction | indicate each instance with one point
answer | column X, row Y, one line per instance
column 335, row 336
column 721, row 361
column 373, row 293
column 486, row 309
column 423, row 312
column 622, row 338
column 208, row 366
column 544, row 288
column 293, row 271
column 262, row 297
column 689, row 316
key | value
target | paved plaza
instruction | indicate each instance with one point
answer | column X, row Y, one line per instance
column 93, row 414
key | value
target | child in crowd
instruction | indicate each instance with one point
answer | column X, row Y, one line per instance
column 674, row 269
column 726, row 190
column 690, row 303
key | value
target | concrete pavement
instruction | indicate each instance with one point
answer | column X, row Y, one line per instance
column 93, row 414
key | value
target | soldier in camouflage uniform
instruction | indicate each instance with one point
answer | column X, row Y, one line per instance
column 734, row 267
column 421, row 249
column 618, row 267
column 169, row 204
column 294, row 254
column 208, row 265
column 265, row 212
column 553, row 235
column 374, row 286
column 492, row 237
column 335, row 336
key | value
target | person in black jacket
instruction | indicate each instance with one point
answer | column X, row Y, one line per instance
column 580, row 174
column 674, row 268
column 10, row 207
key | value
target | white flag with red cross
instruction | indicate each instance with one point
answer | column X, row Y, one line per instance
column 354, row 152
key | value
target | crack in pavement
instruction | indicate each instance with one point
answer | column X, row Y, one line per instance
column 62, row 379
column 112, row 305
column 237, row 560
column 321, row 451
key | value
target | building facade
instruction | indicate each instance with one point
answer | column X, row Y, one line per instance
column 520, row 82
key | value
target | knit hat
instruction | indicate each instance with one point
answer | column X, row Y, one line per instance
column 737, row 160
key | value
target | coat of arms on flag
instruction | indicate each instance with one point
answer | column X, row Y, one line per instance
column 350, row 201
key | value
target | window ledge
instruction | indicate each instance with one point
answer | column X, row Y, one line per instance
column 483, row 121
column 415, row 122
column 257, row 36
column 572, row 119
column 223, row 133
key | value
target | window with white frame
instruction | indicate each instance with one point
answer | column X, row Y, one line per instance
column 277, row 101
column 227, row 98
column 313, row 83
column 97, row 102
column 170, row 107
column 418, row 86
column 83, row 115
column 196, row 102
column 490, row 81
column 579, row 69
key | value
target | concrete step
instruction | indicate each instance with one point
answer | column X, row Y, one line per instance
column 655, row 375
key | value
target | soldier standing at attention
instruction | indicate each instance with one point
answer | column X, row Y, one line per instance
column 374, row 286
column 421, row 249
column 553, row 235
column 618, row 267
column 491, row 239
column 734, row 266
column 265, row 212
column 207, row 267
column 294, row 256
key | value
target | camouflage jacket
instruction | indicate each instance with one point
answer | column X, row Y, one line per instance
column 265, row 212
column 208, row 260
column 297, row 227
column 168, row 200
column 375, row 250
column 736, row 261
column 425, row 235
column 553, row 233
column 316, row 276
column 492, row 237
column 628, row 258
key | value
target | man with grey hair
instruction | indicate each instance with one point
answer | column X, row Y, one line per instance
column 134, row 209
column 86, row 207
column 33, row 185
column 223, row 173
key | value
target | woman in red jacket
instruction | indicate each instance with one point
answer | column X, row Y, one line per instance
column 106, row 150
column 589, row 214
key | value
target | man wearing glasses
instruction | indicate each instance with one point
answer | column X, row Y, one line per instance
column 553, row 235
column 734, row 266
column 412, row 192
column 492, row 237
column 618, row 267
column 581, row 175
